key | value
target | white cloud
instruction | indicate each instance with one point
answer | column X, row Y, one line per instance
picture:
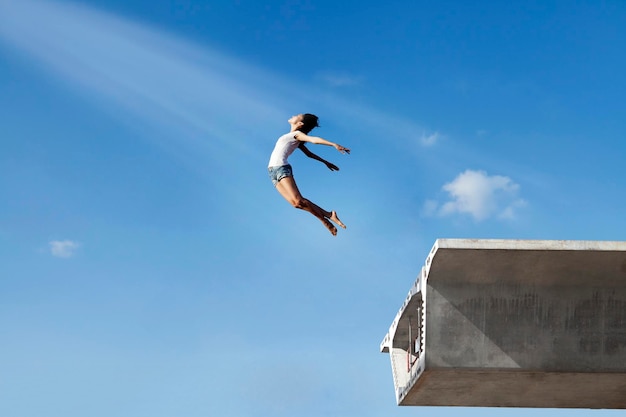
column 63, row 248
column 429, row 140
column 509, row 212
column 481, row 196
column 339, row 79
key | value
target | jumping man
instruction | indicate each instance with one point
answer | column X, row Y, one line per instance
column 281, row 173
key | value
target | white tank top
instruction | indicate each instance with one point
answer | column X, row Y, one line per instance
column 285, row 145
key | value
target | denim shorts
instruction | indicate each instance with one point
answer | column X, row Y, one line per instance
column 280, row 172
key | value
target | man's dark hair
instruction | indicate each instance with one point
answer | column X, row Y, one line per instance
column 310, row 121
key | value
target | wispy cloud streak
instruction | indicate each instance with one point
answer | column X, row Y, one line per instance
column 156, row 76
column 173, row 84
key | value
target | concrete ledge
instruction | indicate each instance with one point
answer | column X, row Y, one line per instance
column 514, row 323
column 540, row 389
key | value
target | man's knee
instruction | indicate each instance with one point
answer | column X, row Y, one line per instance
column 299, row 202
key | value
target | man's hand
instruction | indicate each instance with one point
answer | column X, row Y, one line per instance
column 331, row 166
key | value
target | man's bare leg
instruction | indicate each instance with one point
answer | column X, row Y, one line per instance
column 336, row 220
column 318, row 212
column 289, row 190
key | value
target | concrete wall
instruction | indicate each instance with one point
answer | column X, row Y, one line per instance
column 543, row 320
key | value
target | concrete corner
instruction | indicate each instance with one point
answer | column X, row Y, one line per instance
column 513, row 323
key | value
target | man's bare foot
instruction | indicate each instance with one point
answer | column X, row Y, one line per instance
column 335, row 219
column 330, row 227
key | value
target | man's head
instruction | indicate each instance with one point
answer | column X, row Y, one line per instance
column 304, row 122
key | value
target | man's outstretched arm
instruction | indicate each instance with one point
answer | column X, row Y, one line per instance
column 310, row 154
column 320, row 141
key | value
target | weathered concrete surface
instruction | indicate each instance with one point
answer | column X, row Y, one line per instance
column 514, row 323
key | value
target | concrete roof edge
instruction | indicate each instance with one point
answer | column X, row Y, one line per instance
column 521, row 244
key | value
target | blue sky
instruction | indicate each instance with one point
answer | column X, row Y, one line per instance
column 147, row 266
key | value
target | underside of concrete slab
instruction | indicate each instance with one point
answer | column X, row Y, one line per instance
column 514, row 323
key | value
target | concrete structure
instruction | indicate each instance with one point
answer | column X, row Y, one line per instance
column 513, row 323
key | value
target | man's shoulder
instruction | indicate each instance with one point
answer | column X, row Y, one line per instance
column 289, row 136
